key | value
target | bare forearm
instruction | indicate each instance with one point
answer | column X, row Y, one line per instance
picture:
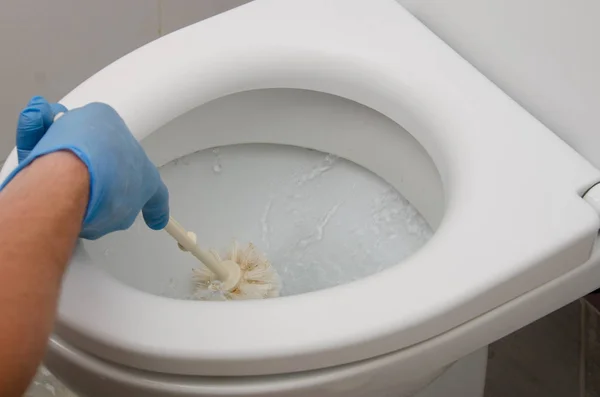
column 41, row 212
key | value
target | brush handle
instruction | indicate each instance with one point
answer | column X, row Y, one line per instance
column 181, row 236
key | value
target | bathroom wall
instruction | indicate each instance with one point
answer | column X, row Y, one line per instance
column 541, row 52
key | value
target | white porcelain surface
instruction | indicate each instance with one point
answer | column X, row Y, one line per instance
column 378, row 55
column 421, row 358
column 380, row 377
column 580, row 280
column 465, row 378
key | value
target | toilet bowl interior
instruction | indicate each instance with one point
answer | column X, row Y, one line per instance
column 323, row 220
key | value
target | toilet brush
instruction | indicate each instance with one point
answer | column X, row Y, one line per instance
column 246, row 274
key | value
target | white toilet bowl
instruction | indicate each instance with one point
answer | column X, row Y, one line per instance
column 514, row 239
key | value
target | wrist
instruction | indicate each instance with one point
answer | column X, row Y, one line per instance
column 67, row 172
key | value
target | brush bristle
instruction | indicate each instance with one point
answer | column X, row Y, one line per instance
column 259, row 278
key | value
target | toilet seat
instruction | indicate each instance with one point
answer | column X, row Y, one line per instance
column 513, row 217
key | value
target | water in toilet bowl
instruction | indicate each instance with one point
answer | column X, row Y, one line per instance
column 320, row 219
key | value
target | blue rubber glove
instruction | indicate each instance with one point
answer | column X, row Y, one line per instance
column 34, row 120
column 123, row 181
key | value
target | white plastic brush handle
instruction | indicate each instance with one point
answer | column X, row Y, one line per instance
column 181, row 236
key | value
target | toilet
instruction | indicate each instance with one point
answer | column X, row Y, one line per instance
column 513, row 207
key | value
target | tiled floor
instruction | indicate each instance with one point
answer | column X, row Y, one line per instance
column 591, row 345
column 557, row 356
column 540, row 360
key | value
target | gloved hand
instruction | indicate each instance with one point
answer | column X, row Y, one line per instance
column 33, row 122
column 123, row 181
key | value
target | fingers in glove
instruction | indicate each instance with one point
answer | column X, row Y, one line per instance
column 33, row 123
column 30, row 129
column 156, row 210
column 49, row 110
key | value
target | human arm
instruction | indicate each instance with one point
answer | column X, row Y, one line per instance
column 38, row 231
column 40, row 194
